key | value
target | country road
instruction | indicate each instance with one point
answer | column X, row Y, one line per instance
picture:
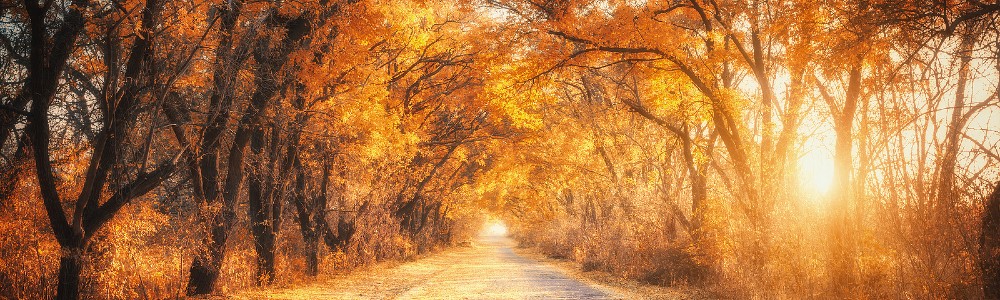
column 489, row 269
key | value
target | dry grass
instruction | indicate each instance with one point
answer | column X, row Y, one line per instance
column 145, row 252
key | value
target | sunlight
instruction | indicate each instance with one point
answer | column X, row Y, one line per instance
column 816, row 171
column 495, row 228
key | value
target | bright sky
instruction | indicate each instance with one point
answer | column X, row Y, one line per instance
column 494, row 228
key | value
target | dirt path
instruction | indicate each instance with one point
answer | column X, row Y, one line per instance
column 489, row 269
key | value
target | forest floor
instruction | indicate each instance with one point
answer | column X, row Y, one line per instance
column 489, row 268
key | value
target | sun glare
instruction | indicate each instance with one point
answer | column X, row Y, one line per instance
column 816, row 172
column 495, row 228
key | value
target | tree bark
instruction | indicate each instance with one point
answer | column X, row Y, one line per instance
column 946, row 174
column 203, row 275
column 308, row 219
column 263, row 229
column 989, row 246
column 842, row 240
column 262, row 207
column 70, row 266
column 699, row 185
column 311, row 253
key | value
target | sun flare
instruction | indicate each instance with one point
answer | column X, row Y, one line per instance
column 816, row 172
column 495, row 228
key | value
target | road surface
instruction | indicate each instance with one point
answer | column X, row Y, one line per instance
column 488, row 269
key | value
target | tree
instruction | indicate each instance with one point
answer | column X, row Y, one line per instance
column 311, row 216
column 270, row 60
column 120, row 112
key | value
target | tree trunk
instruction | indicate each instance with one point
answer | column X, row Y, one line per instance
column 409, row 211
column 310, row 235
column 841, row 241
column 260, row 204
column 946, row 181
column 265, row 262
column 204, row 272
column 841, row 238
column 312, row 253
column 699, row 184
column 203, row 275
column 208, row 268
column 70, row 265
column 264, row 242
column 989, row 246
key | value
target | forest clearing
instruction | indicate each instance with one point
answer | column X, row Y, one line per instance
column 500, row 149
